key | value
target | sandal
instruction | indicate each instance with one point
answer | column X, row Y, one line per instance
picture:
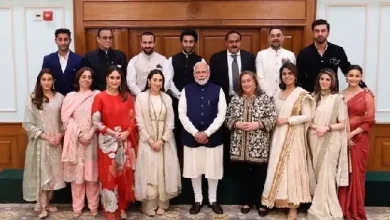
column 43, row 214
column 94, row 212
column 160, row 211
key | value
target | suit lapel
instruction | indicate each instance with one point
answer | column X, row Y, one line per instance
column 57, row 61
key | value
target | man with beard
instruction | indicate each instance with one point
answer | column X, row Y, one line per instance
column 227, row 65
column 140, row 66
column 319, row 55
column 99, row 60
column 202, row 109
column 64, row 63
column 178, row 71
column 269, row 61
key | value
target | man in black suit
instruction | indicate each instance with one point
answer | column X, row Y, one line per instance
column 226, row 66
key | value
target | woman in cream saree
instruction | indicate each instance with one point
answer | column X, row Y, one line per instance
column 328, row 145
column 287, row 182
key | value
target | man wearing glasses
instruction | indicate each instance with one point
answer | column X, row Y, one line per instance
column 99, row 60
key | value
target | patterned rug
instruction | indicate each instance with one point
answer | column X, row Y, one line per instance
column 26, row 212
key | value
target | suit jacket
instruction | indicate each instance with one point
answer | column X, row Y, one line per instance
column 219, row 72
column 99, row 61
column 64, row 80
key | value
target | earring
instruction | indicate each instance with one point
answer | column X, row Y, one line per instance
column 53, row 87
column 148, row 84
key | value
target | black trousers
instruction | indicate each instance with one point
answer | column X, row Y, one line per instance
column 251, row 179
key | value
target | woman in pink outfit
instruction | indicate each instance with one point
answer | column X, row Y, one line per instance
column 80, row 144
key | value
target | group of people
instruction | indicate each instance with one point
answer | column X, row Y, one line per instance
column 279, row 123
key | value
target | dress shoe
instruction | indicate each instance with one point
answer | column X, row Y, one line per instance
column 263, row 213
column 217, row 209
column 245, row 210
column 195, row 209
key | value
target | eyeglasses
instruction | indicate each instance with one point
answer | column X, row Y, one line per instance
column 106, row 38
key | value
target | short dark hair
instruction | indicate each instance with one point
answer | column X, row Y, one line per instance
column 78, row 75
column 189, row 32
column 232, row 32
column 62, row 31
column 290, row 66
column 275, row 28
column 104, row 29
column 148, row 33
column 320, row 22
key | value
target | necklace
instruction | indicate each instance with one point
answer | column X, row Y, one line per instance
column 325, row 92
column 153, row 112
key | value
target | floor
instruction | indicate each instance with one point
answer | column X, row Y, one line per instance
column 26, row 212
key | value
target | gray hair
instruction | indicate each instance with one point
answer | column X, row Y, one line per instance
column 202, row 62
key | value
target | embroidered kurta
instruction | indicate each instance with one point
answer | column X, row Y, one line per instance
column 287, row 182
column 43, row 167
column 330, row 158
column 139, row 68
column 251, row 146
column 80, row 162
column 116, row 159
column 158, row 173
column 268, row 63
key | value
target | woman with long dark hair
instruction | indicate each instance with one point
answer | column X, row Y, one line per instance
column 80, row 144
column 361, row 111
column 157, row 178
column 328, row 145
column 42, row 122
column 114, row 115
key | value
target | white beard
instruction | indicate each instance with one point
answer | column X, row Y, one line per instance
column 202, row 82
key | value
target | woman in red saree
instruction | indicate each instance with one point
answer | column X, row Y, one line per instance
column 361, row 111
column 114, row 115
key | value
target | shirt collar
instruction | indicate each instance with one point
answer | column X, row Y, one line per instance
column 230, row 54
column 65, row 57
column 275, row 51
column 104, row 52
column 326, row 47
column 187, row 54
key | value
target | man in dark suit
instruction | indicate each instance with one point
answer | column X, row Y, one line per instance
column 226, row 66
column 99, row 60
column 64, row 63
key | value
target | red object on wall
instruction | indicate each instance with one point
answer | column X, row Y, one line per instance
column 47, row 15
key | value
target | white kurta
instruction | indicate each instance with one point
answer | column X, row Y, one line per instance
column 268, row 63
column 203, row 160
column 139, row 68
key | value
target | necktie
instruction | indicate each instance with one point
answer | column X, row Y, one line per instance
column 235, row 73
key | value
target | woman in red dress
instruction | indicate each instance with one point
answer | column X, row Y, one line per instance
column 361, row 111
column 113, row 113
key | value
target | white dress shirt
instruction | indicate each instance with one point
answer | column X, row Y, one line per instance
column 139, row 68
column 63, row 61
column 169, row 73
column 268, row 63
column 217, row 123
column 230, row 72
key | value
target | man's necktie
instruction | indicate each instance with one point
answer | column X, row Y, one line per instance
column 235, row 73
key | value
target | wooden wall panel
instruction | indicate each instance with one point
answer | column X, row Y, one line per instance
column 167, row 41
column 213, row 40
column 13, row 143
column 197, row 14
column 194, row 10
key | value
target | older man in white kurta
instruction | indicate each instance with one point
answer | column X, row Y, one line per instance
column 202, row 109
column 142, row 64
column 269, row 61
